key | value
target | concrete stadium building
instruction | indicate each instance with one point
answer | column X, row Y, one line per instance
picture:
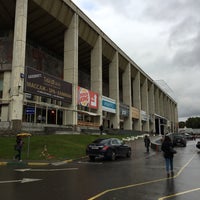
column 59, row 70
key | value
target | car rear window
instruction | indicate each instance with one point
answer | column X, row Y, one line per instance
column 178, row 136
column 101, row 141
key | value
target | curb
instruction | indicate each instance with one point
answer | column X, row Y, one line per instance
column 13, row 163
column 3, row 163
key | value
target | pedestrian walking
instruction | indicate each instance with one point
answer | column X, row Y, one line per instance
column 101, row 129
column 147, row 142
column 168, row 153
column 18, row 148
column 39, row 118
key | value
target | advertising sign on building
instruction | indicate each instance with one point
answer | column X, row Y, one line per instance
column 144, row 116
column 108, row 104
column 135, row 113
column 124, row 110
column 43, row 84
column 30, row 110
column 87, row 98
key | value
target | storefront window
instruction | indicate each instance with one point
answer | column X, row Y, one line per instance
column 29, row 113
column 51, row 117
column 42, row 114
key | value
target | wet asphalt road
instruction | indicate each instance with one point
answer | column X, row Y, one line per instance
column 142, row 177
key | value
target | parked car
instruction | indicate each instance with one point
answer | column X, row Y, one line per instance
column 198, row 145
column 188, row 136
column 179, row 140
column 107, row 148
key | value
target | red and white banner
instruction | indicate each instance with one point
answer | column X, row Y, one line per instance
column 87, row 98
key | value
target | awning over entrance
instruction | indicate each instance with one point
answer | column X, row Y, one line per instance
column 159, row 116
column 88, row 113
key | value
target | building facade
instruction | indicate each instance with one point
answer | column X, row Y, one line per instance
column 57, row 68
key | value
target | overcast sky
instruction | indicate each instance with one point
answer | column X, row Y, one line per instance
column 161, row 37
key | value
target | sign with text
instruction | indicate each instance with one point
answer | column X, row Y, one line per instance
column 144, row 116
column 43, row 84
column 30, row 110
column 135, row 113
column 124, row 110
column 108, row 104
column 87, row 98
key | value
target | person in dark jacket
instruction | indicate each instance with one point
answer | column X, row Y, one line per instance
column 101, row 129
column 18, row 148
column 147, row 143
column 168, row 153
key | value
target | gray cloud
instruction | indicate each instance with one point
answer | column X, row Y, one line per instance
column 170, row 10
column 162, row 37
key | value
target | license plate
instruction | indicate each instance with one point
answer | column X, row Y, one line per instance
column 94, row 147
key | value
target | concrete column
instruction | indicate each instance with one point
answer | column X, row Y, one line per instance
column 151, row 107
column 71, row 67
column 161, row 104
column 96, row 74
column 127, row 95
column 176, row 117
column 168, row 113
column 18, row 64
column 157, row 101
column 114, row 87
column 172, row 115
column 168, row 108
column 145, row 107
column 6, row 96
column 137, row 99
column 164, row 105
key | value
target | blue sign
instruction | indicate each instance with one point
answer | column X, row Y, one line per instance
column 30, row 110
column 108, row 105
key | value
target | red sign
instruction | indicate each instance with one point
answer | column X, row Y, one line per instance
column 87, row 98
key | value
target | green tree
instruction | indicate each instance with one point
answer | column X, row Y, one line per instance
column 193, row 122
column 181, row 124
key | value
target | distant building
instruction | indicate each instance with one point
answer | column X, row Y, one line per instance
column 189, row 130
column 185, row 130
column 58, row 69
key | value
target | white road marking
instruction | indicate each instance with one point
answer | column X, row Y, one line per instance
column 45, row 170
column 93, row 163
column 24, row 180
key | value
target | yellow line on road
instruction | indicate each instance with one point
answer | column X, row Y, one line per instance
column 140, row 184
column 125, row 187
column 181, row 170
column 37, row 164
column 178, row 194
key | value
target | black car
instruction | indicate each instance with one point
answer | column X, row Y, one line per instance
column 198, row 145
column 188, row 136
column 179, row 140
column 108, row 148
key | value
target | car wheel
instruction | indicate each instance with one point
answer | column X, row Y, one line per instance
column 113, row 155
column 92, row 158
column 110, row 155
column 128, row 155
